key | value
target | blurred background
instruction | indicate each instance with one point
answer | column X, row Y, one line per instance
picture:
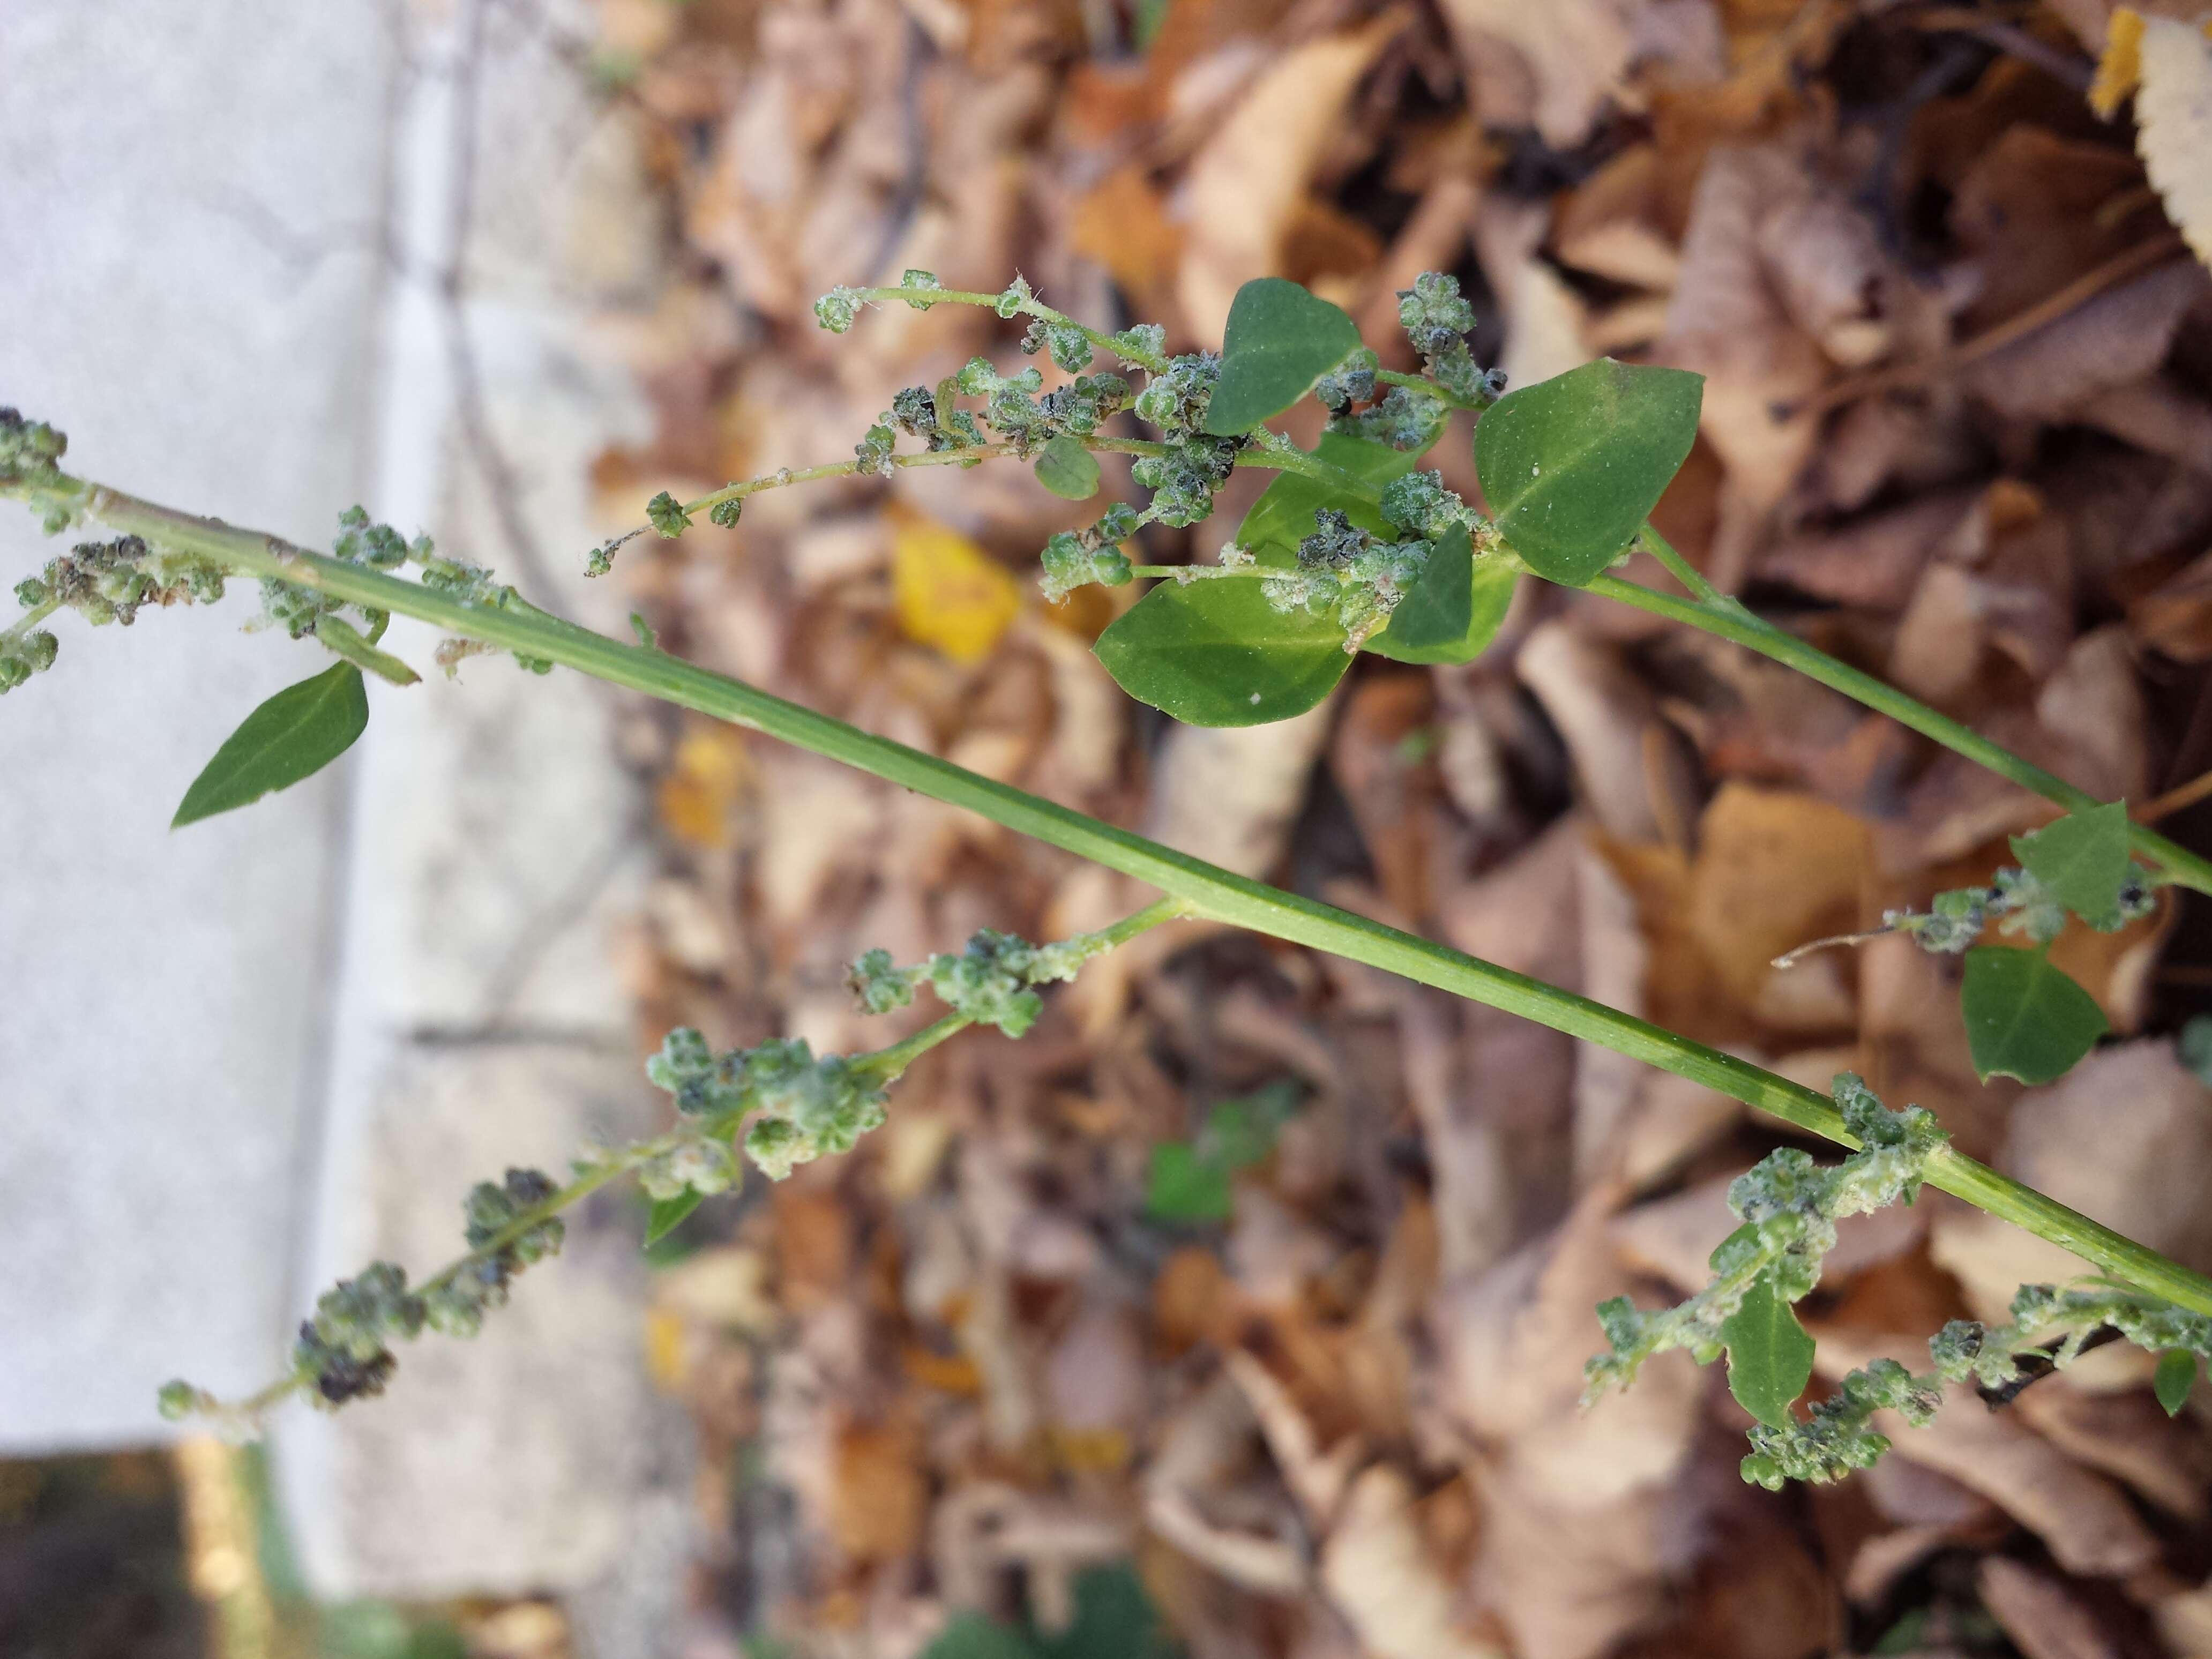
column 1240, row 1310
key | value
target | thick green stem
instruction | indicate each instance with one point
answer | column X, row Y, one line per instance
column 1208, row 890
column 1716, row 613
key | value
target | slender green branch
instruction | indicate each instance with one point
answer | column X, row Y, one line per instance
column 1207, row 889
column 1029, row 306
column 526, row 1221
column 969, row 457
column 878, row 1068
column 1680, row 569
column 1721, row 615
column 1429, row 387
column 27, row 624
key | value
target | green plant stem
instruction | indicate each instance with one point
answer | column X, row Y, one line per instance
column 888, row 1064
column 784, row 477
column 27, row 624
column 1031, row 307
column 1435, row 389
column 1208, row 890
column 537, row 1215
column 1716, row 613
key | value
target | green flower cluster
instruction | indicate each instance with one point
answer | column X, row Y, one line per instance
column 1789, row 1206
column 1074, row 558
column 1998, row 1360
column 1067, row 346
column 344, row 1351
column 1420, row 506
column 991, row 981
column 807, row 1106
column 1438, row 320
column 30, row 461
column 30, row 451
column 1834, row 1439
column 1403, row 420
column 103, row 582
column 110, row 582
column 1344, row 572
column 2020, row 905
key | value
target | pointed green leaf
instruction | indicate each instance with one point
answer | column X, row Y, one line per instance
column 1214, row 651
column 2175, row 1376
column 1437, row 610
column 1279, row 340
column 1186, row 1186
column 2025, row 1019
column 1114, row 1618
column 2082, row 858
column 344, row 639
column 1284, row 515
column 1068, row 470
column 1572, row 466
column 668, row 1214
column 1769, row 1357
column 293, row 735
column 1454, row 584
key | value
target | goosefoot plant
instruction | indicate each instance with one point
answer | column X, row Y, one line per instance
column 1351, row 548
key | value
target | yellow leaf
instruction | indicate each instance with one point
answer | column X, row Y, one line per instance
column 950, row 593
column 2173, row 121
column 2120, row 70
column 666, row 1356
column 700, row 792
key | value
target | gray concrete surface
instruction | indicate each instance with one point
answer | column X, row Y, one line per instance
column 241, row 1061
column 163, row 997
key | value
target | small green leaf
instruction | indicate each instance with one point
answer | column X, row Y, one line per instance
column 1242, row 1133
column 346, row 641
column 970, row 1635
column 1769, row 1357
column 2025, row 1019
column 1284, row 515
column 293, row 735
column 2082, row 858
column 1214, row 652
column 1068, row 470
column 1280, row 339
column 668, row 1214
column 1454, row 610
column 1572, row 466
column 1186, row 1186
column 2175, row 1376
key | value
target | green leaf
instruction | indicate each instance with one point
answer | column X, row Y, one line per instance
column 2024, row 1018
column 1214, row 651
column 1113, row 1619
column 1068, row 470
column 1279, row 340
column 2175, row 1376
column 668, row 1214
column 2082, row 858
column 1242, row 1133
column 1769, row 1358
column 1454, row 610
column 293, row 735
column 1284, row 515
column 1572, row 466
column 971, row 1636
column 1186, row 1186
